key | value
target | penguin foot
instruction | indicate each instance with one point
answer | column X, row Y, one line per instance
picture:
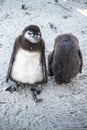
column 39, row 100
column 37, row 89
column 11, row 89
column 34, row 95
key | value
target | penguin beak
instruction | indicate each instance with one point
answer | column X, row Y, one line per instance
column 36, row 37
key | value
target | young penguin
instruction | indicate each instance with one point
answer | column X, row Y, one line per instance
column 65, row 61
column 27, row 64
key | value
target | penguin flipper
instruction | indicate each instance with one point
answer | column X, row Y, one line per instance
column 81, row 59
column 44, row 68
column 10, row 65
column 16, row 46
column 44, row 71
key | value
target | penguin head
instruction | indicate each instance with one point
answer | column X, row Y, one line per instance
column 32, row 34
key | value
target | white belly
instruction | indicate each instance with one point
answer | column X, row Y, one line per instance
column 27, row 67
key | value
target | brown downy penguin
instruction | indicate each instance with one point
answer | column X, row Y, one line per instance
column 65, row 61
column 27, row 64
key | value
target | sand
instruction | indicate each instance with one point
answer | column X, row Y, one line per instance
column 64, row 107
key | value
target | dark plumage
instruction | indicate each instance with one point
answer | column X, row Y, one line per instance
column 27, row 64
column 65, row 61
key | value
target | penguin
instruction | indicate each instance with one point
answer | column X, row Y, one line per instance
column 27, row 64
column 65, row 61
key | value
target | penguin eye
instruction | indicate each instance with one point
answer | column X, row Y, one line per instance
column 35, row 34
column 29, row 32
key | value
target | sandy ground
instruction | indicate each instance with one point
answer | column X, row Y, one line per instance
column 63, row 106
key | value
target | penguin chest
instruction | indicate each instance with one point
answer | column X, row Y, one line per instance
column 27, row 67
